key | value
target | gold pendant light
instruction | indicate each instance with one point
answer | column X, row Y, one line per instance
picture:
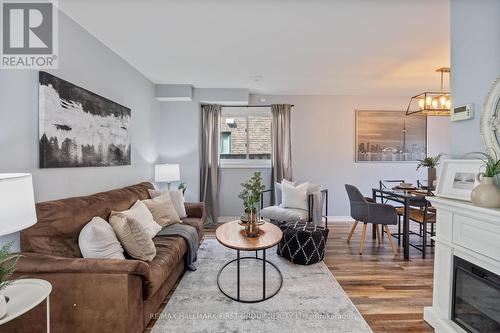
column 431, row 103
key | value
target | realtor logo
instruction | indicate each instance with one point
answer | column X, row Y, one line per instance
column 29, row 35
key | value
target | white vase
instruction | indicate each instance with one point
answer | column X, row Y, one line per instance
column 3, row 306
column 486, row 194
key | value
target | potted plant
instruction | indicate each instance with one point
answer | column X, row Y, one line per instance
column 8, row 263
column 430, row 162
column 250, row 195
column 182, row 187
column 487, row 194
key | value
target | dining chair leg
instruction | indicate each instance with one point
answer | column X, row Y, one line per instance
column 391, row 240
column 432, row 234
column 424, row 240
column 379, row 236
column 362, row 243
column 399, row 230
column 352, row 231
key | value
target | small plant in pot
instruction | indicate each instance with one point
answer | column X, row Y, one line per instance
column 487, row 194
column 8, row 263
column 250, row 195
column 430, row 162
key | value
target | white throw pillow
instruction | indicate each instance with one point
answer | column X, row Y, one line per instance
column 97, row 239
column 277, row 191
column 141, row 213
column 294, row 196
column 177, row 200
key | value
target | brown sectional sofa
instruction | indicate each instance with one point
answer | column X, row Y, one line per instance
column 97, row 295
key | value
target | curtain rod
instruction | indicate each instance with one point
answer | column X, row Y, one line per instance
column 247, row 106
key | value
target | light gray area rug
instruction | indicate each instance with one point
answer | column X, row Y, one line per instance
column 310, row 300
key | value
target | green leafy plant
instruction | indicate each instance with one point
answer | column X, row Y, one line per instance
column 429, row 162
column 182, row 187
column 251, row 192
column 491, row 163
column 8, row 263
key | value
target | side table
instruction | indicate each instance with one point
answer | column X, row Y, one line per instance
column 24, row 295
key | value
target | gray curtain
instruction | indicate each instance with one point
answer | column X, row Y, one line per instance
column 209, row 187
column 281, row 157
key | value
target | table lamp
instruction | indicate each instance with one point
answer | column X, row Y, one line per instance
column 17, row 207
column 167, row 173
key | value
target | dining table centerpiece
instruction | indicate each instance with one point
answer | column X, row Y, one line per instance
column 430, row 162
column 250, row 195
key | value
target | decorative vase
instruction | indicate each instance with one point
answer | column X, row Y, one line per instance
column 486, row 194
column 431, row 177
column 3, row 306
column 252, row 226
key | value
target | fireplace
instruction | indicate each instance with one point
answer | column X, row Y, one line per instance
column 476, row 298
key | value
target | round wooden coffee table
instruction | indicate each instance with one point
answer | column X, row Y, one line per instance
column 232, row 235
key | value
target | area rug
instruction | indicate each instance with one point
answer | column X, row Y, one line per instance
column 310, row 300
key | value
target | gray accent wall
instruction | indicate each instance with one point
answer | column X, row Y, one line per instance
column 475, row 63
column 84, row 61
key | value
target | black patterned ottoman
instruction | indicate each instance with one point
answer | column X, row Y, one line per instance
column 303, row 243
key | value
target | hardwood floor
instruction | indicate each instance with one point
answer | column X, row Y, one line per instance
column 390, row 293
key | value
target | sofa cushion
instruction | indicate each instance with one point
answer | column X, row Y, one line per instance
column 163, row 210
column 282, row 214
column 141, row 213
column 60, row 221
column 195, row 222
column 133, row 236
column 177, row 198
column 169, row 251
column 98, row 240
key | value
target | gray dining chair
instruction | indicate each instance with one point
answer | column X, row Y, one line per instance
column 366, row 212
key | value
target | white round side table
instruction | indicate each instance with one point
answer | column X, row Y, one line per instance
column 24, row 295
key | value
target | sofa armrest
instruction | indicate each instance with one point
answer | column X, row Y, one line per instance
column 195, row 209
column 43, row 263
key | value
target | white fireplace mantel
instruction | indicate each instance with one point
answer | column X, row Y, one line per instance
column 466, row 231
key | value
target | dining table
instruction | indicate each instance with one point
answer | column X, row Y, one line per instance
column 407, row 198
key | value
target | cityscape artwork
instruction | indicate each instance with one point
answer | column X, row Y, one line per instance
column 78, row 128
column 390, row 136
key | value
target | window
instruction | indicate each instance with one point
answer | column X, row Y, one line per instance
column 245, row 137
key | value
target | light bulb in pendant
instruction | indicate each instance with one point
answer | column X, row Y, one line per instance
column 421, row 103
column 428, row 100
column 434, row 103
column 448, row 104
column 443, row 100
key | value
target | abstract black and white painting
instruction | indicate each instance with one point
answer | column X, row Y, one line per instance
column 78, row 128
column 390, row 136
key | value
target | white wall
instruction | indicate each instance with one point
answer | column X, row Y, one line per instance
column 323, row 129
column 475, row 63
column 86, row 62
column 322, row 147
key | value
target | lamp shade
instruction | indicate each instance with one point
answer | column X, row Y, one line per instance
column 17, row 206
column 167, row 173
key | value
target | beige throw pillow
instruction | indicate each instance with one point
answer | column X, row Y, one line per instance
column 133, row 236
column 177, row 200
column 141, row 213
column 97, row 239
column 163, row 210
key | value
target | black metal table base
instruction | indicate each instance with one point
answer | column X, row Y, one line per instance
column 238, row 261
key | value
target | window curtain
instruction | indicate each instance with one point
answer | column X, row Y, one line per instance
column 281, row 156
column 210, row 178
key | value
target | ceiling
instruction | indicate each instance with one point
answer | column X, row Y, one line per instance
column 383, row 47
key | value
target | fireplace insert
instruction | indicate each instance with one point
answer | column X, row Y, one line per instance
column 476, row 298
